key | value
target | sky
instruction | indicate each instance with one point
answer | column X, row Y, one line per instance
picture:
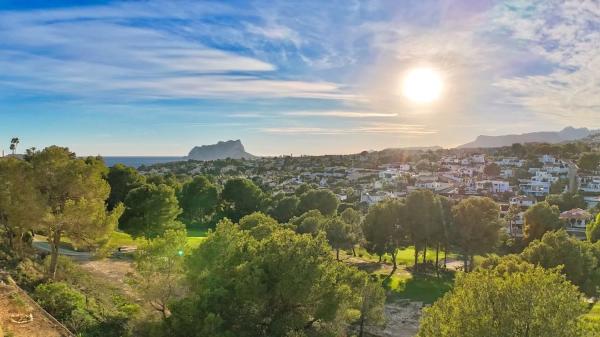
column 291, row 77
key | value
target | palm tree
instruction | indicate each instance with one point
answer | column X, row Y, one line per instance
column 13, row 144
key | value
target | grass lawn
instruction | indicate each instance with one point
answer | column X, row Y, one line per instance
column 594, row 314
column 117, row 239
column 405, row 256
column 423, row 288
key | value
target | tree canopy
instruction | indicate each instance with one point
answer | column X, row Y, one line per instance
column 122, row 179
column 241, row 197
column 323, row 200
column 528, row 301
column 150, row 210
column 539, row 219
column 159, row 266
column 578, row 259
column 285, row 208
column 21, row 203
column 281, row 285
column 477, row 225
column 384, row 228
column 592, row 230
column 74, row 193
column 589, row 161
column 198, row 200
column 566, row 201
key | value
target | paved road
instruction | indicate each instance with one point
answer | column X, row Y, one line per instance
column 45, row 247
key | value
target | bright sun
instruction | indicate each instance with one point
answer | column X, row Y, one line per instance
column 422, row 85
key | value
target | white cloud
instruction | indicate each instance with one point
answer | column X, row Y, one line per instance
column 565, row 34
column 104, row 52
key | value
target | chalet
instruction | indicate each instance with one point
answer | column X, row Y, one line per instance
column 575, row 221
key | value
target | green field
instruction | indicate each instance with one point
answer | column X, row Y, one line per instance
column 422, row 288
column 594, row 314
column 405, row 256
column 117, row 239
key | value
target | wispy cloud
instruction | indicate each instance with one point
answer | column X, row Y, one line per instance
column 373, row 128
column 340, row 114
column 106, row 51
column 565, row 34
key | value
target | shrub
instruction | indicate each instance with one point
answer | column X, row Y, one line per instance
column 59, row 299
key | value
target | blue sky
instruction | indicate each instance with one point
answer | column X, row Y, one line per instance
column 290, row 77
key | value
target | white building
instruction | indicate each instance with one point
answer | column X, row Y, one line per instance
column 522, row 201
column 539, row 184
column 511, row 161
column 371, row 199
column 493, row 186
column 478, row 158
column 589, row 184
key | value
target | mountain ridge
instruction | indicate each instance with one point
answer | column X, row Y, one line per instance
column 567, row 134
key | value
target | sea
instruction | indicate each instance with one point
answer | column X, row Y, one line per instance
column 137, row 161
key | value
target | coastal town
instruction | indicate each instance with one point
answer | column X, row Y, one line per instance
column 515, row 177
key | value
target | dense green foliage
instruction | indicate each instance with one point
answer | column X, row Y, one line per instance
column 476, row 223
column 285, row 208
column 323, row 200
column 506, row 301
column 281, row 284
column 60, row 299
column 150, row 210
column 21, row 204
column 73, row 193
column 589, row 161
column 579, row 260
column 198, row 199
column 592, row 230
column 539, row 219
column 241, row 197
column 566, row 201
column 384, row 228
column 122, row 179
column 159, row 269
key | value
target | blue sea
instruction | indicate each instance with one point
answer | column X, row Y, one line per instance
column 139, row 161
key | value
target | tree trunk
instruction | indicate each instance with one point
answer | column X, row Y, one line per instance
column 437, row 259
column 337, row 254
column 353, row 251
column 54, row 244
column 425, row 254
column 466, row 263
column 471, row 262
column 395, row 266
column 416, row 266
column 445, row 255
column 362, row 325
column 379, row 259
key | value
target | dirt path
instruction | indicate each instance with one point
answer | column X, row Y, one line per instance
column 115, row 270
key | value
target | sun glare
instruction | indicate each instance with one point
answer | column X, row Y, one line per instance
column 422, row 85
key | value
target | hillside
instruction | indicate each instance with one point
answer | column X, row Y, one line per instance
column 233, row 149
column 552, row 137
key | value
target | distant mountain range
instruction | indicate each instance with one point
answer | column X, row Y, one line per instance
column 566, row 134
column 230, row 149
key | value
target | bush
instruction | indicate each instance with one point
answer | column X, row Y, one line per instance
column 59, row 299
column 28, row 275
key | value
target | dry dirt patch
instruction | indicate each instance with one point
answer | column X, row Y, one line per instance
column 15, row 305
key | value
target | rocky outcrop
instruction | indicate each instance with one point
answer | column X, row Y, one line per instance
column 222, row 150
